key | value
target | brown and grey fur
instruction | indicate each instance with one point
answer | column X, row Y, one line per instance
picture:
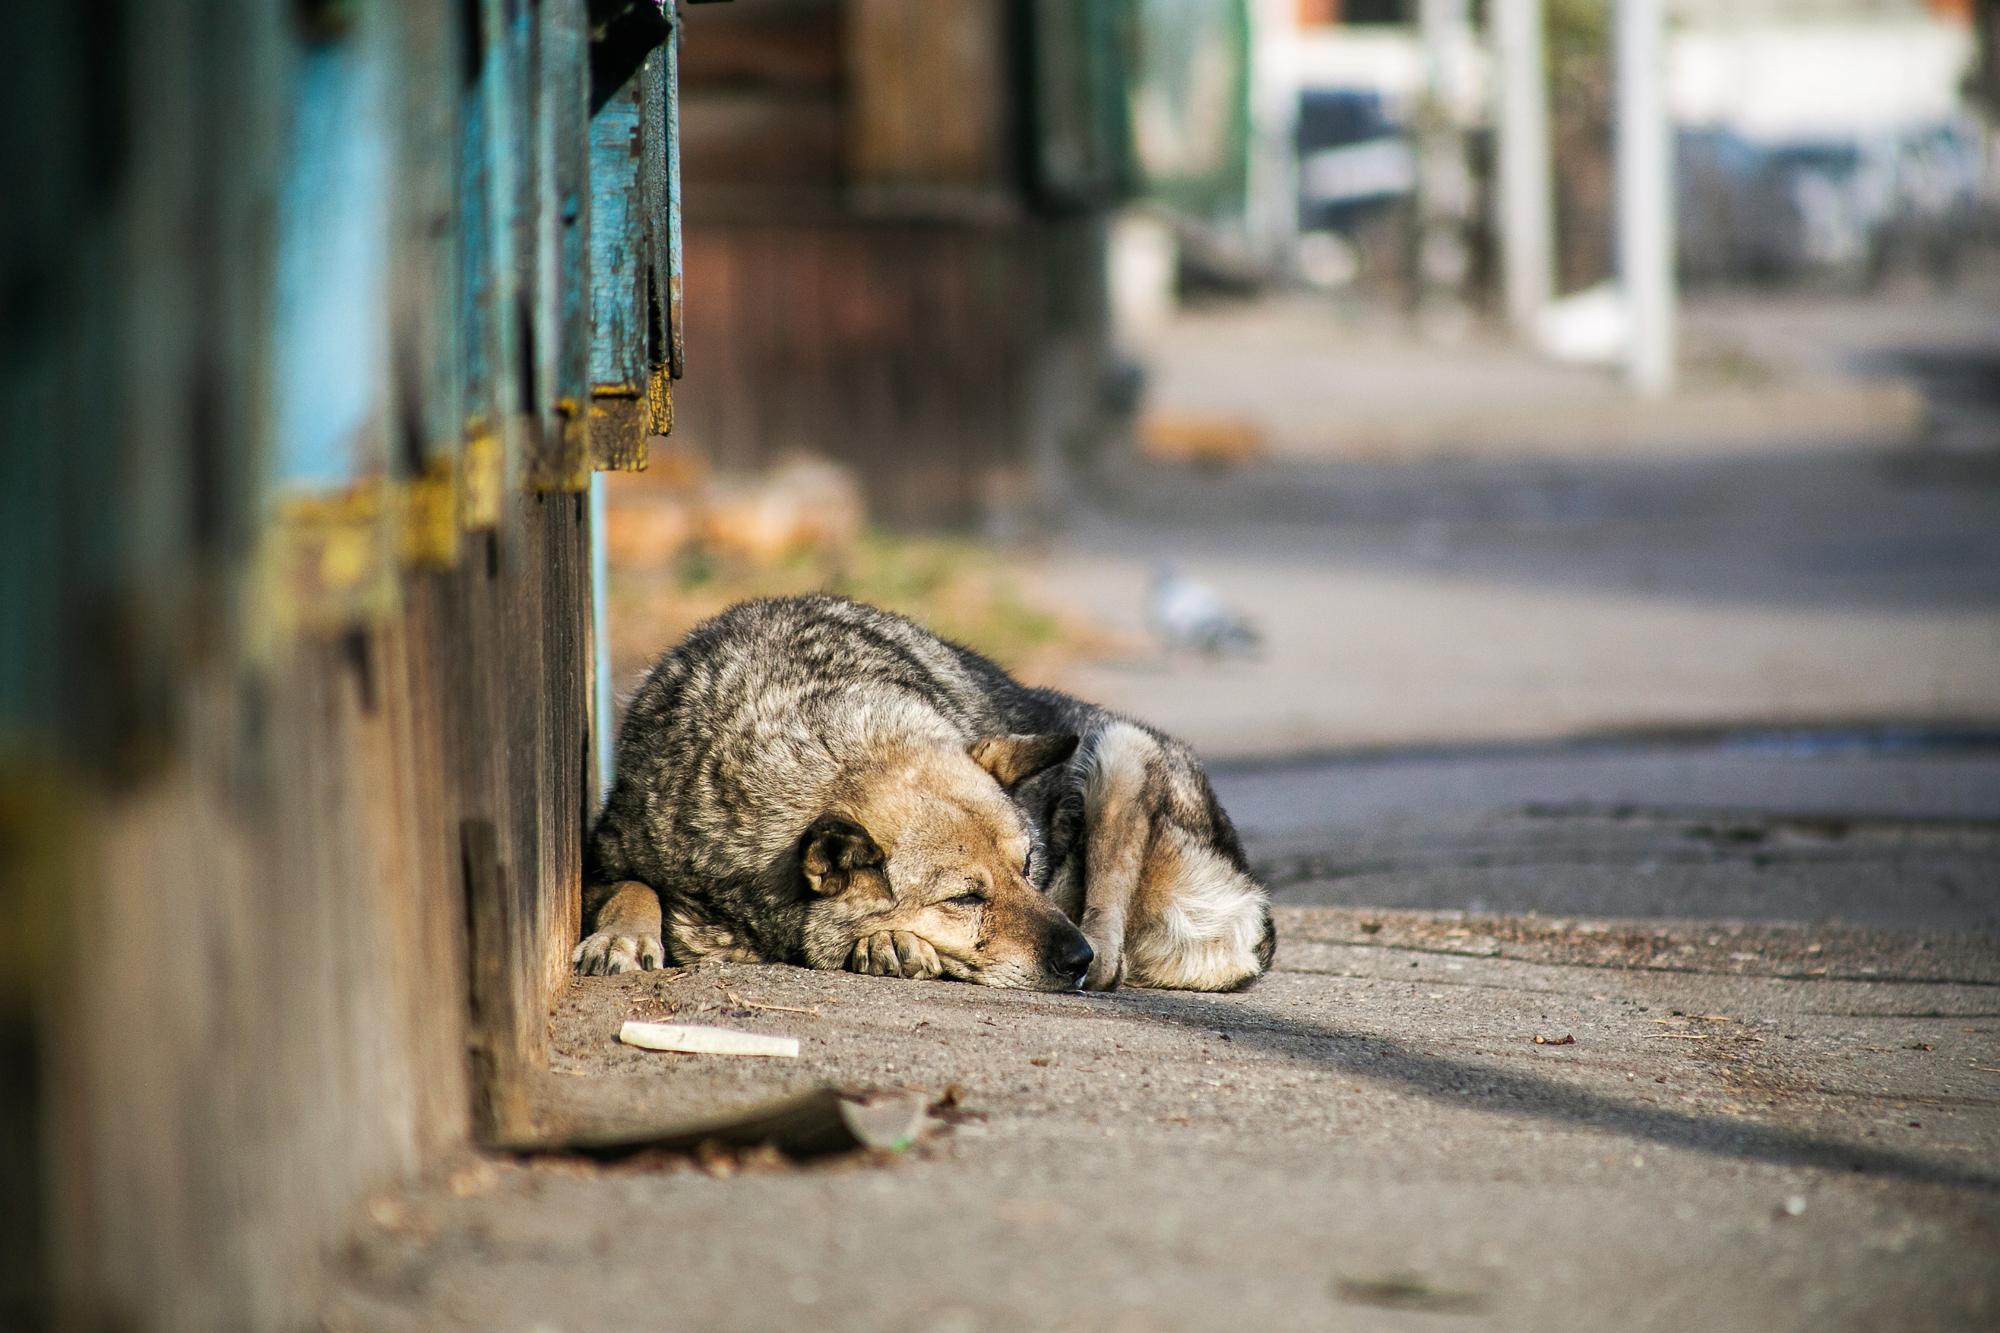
column 815, row 781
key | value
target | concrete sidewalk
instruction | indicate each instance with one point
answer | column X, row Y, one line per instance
column 1751, row 1129
column 1725, row 1125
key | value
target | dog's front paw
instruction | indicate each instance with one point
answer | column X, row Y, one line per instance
column 894, row 953
column 1107, row 966
column 607, row 953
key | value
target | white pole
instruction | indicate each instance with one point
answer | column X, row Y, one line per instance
column 1645, row 193
column 1444, row 181
column 1523, row 201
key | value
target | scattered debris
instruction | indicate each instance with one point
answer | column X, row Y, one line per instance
column 1408, row 1291
column 742, row 1003
column 693, row 1040
column 1567, row 1039
column 891, row 1122
column 950, row 1107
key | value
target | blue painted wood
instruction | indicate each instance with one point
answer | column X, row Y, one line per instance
column 519, row 142
column 621, row 261
column 618, row 245
column 330, row 322
column 426, row 42
column 492, row 120
column 559, row 457
column 632, row 251
column 670, row 111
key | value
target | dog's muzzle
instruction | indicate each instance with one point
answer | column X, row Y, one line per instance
column 1067, row 954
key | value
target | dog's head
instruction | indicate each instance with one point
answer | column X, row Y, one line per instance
column 929, row 845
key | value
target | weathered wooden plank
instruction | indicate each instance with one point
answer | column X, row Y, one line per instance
column 427, row 405
column 331, row 557
column 790, row 47
column 937, row 426
column 560, row 460
column 291, row 262
column 488, row 233
column 927, row 97
column 668, row 99
column 621, row 259
column 739, row 138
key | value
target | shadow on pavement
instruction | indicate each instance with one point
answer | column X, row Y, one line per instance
column 1911, row 529
column 1463, row 1083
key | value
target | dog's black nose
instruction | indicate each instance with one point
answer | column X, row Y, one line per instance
column 1072, row 957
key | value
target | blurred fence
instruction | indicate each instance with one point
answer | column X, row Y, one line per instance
column 317, row 318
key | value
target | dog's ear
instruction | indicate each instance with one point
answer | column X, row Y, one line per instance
column 1012, row 759
column 832, row 850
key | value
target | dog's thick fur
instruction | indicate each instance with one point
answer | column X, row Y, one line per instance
column 815, row 781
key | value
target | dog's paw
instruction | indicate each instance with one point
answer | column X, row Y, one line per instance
column 1107, row 967
column 894, row 953
column 606, row 954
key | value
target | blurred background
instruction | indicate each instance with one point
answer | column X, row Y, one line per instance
column 1544, row 453
column 1506, row 369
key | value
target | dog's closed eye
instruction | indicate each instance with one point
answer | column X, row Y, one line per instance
column 966, row 900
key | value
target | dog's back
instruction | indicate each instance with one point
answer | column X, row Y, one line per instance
column 738, row 733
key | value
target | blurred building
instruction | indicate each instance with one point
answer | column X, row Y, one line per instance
column 1818, row 139
column 894, row 236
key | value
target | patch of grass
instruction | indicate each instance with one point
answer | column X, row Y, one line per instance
column 963, row 590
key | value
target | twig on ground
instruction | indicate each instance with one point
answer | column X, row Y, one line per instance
column 742, row 1003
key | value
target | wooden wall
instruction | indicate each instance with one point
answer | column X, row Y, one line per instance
column 900, row 349
column 299, row 373
column 869, row 275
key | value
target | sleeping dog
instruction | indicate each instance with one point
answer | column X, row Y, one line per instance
column 811, row 780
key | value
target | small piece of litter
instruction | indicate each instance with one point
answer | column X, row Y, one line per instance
column 693, row 1040
column 1567, row 1039
column 1795, row 1205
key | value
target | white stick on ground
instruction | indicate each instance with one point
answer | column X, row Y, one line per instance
column 705, row 1041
